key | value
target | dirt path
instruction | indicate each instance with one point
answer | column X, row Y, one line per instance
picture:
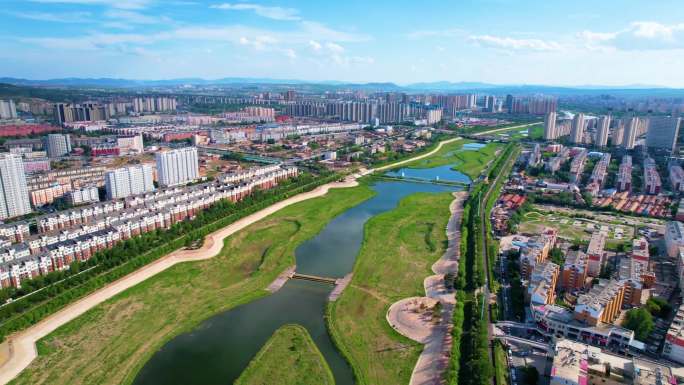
column 22, row 345
column 436, row 332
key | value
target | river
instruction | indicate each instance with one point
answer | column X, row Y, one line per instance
column 220, row 348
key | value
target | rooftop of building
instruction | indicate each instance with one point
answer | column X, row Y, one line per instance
column 600, row 294
column 597, row 243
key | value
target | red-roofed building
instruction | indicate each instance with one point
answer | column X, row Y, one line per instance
column 26, row 129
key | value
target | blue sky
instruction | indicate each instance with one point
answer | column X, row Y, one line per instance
column 555, row 42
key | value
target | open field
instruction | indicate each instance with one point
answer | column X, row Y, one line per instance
column 579, row 229
column 110, row 343
column 535, row 132
column 467, row 161
column 290, row 348
column 398, row 251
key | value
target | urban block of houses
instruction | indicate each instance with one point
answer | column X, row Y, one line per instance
column 76, row 235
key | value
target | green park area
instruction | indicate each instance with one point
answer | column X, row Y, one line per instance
column 110, row 343
column 468, row 161
column 290, row 357
column 397, row 253
column 535, row 132
column 576, row 229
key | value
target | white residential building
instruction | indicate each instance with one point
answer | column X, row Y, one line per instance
column 662, row 133
column 82, row 196
column 58, row 145
column 577, row 133
column 177, row 167
column 602, row 131
column 631, row 132
column 127, row 181
column 7, row 109
column 673, row 347
column 674, row 237
column 14, row 197
column 550, row 132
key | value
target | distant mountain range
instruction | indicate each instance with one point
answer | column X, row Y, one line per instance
column 439, row 86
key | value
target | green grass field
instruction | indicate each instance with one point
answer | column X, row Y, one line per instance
column 398, row 251
column 111, row 342
column 290, row 357
column 469, row 162
column 579, row 229
column 535, row 132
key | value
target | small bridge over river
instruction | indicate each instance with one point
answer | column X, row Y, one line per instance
column 315, row 278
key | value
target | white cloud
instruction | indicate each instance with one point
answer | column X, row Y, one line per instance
column 316, row 46
column 639, row 36
column 89, row 42
column 320, row 31
column 509, row 43
column 122, row 4
column 430, row 33
column 132, row 17
column 275, row 13
column 71, row 17
column 335, row 48
column 283, row 42
column 258, row 42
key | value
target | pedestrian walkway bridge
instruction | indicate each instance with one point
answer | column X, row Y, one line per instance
column 314, row 278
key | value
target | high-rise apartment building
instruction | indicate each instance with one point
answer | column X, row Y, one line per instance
column 14, row 197
column 7, row 109
column 176, row 167
column 154, row 104
column 662, row 133
column 602, row 131
column 624, row 177
column 58, row 145
column 550, row 132
column 88, row 112
column 652, row 182
column 577, row 132
column 631, row 132
column 127, row 181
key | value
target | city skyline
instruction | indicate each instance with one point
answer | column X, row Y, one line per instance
column 610, row 43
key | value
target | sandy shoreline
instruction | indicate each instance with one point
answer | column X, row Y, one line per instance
column 22, row 345
column 405, row 316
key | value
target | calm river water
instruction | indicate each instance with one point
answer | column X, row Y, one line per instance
column 220, row 348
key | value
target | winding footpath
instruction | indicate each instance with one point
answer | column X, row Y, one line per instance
column 402, row 315
column 22, row 345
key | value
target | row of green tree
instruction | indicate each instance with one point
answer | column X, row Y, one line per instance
column 111, row 264
column 470, row 364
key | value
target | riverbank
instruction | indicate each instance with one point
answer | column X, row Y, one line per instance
column 289, row 357
column 66, row 355
column 434, row 333
column 470, row 161
column 398, row 251
column 126, row 330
